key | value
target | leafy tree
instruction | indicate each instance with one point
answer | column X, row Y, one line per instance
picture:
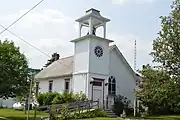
column 14, row 70
column 158, row 91
column 160, row 86
column 166, row 48
column 55, row 56
column 26, row 94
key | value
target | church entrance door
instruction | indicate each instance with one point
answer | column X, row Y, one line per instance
column 98, row 91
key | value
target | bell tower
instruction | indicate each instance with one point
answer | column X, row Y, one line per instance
column 91, row 51
column 91, row 55
column 92, row 20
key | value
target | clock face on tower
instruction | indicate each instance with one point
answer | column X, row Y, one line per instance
column 98, row 51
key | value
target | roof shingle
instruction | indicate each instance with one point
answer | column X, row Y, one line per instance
column 61, row 67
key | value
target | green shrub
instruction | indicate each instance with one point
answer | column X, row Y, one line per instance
column 121, row 103
column 59, row 98
column 90, row 114
column 65, row 114
column 48, row 98
column 99, row 113
column 80, row 96
column 67, row 96
column 40, row 99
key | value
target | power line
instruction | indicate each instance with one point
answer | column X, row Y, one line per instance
column 30, row 44
column 21, row 16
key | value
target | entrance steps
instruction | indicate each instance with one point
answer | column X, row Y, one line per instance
column 110, row 113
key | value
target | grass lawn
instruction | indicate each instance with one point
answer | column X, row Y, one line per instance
column 18, row 115
column 101, row 119
column 166, row 117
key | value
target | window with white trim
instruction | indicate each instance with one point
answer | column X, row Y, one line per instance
column 112, row 85
column 67, row 81
column 50, row 85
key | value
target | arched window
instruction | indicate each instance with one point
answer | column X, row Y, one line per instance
column 112, row 85
column 109, row 86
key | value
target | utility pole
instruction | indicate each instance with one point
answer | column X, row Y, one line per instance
column 29, row 97
column 36, row 94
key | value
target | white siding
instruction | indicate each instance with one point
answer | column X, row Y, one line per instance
column 125, row 82
column 43, row 86
column 80, row 82
column 88, row 65
column 81, row 56
column 58, row 85
column 99, row 65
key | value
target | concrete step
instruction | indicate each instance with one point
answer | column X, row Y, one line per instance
column 110, row 113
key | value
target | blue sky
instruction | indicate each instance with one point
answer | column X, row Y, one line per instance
column 51, row 25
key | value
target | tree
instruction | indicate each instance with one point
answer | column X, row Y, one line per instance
column 55, row 56
column 160, row 86
column 158, row 91
column 166, row 48
column 14, row 70
column 23, row 98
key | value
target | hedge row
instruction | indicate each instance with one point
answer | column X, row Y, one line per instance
column 59, row 98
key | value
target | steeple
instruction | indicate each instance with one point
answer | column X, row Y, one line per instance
column 92, row 19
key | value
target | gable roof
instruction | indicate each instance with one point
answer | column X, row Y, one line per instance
column 125, row 61
column 61, row 67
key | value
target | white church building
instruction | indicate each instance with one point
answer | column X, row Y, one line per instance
column 96, row 68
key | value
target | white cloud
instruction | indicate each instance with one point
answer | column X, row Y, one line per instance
column 126, row 42
column 48, row 30
column 51, row 31
column 122, row 2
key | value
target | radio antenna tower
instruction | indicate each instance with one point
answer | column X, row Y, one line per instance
column 136, row 100
column 135, row 56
